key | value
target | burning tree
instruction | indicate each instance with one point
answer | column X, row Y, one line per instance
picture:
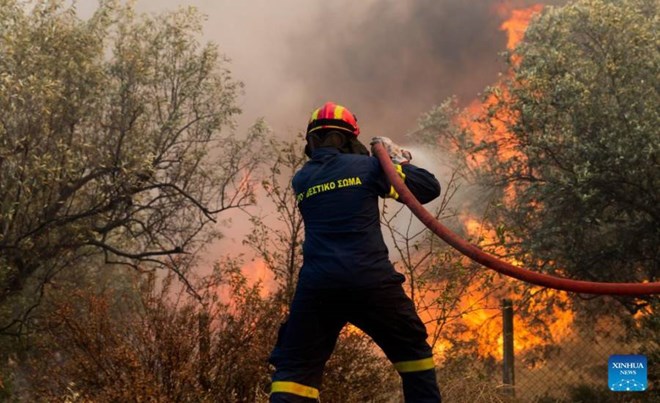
column 459, row 299
column 582, row 109
column 566, row 146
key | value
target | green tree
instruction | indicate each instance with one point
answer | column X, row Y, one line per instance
column 570, row 143
column 115, row 140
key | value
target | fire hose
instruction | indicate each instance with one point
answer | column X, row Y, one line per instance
column 492, row 262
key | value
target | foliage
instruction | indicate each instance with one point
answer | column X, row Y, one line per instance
column 113, row 142
column 587, row 103
column 356, row 372
column 114, row 151
column 565, row 150
column 475, row 383
column 278, row 240
column 568, row 144
column 170, row 348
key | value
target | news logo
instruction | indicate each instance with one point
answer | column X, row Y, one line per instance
column 627, row 373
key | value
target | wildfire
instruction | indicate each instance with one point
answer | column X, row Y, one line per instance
column 482, row 232
column 257, row 271
column 481, row 320
column 517, row 21
column 495, row 128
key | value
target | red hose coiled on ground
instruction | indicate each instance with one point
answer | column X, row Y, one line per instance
column 490, row 261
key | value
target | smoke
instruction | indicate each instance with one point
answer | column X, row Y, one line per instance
column 397, row 59
column 390, row 61
column 387, row 60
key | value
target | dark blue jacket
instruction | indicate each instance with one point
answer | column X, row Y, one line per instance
column 338, row 197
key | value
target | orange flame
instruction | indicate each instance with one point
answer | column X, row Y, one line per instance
column 516, row 23
column 257, row 271
column 487, row 325
column 495, row 128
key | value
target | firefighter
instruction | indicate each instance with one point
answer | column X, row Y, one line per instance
column 346, row 276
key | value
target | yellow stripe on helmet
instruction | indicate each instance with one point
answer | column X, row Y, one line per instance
column 339, row 112
column 315, row 115
column 294, row 388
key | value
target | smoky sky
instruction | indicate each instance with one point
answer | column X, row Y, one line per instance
column 389, row 61
column 394, row 60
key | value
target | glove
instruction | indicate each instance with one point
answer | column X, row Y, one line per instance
column 395, row 152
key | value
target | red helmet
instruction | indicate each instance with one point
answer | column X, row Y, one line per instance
column 333, row 116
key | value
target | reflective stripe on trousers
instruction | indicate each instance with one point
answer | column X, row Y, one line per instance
column 415, row 365
column 294, row 388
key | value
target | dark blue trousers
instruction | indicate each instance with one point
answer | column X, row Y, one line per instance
column 308, row 337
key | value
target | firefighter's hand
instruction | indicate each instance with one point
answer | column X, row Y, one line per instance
column 398, row 155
